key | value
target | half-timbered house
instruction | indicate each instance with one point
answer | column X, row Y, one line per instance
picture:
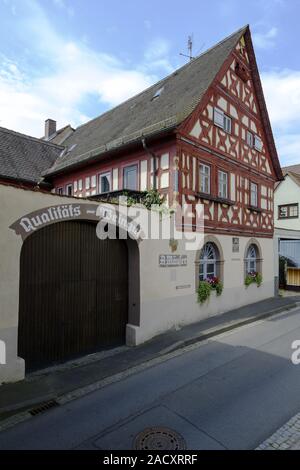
column 201, row 135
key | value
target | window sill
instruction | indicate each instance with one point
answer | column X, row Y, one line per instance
column 254, row 209
column 220, row 200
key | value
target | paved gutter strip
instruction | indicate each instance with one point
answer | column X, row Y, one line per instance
column 165, row 355
column 230, row 326
column 285, row 438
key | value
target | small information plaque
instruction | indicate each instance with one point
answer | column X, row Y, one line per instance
column 235, row 245
column 171, row 261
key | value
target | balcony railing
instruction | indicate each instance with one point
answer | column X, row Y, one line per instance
column 113, row 196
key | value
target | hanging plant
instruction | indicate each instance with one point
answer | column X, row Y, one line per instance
column 253, row 278
column 205, row 288
column 152, row 197
column 203, row 291
column 215, row 284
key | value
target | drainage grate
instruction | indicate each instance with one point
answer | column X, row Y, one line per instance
column 159, row 438
column 43, row 407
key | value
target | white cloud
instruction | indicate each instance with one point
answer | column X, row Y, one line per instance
column 156, row 55
column 70, row 72
column 288, row 146
column 157, row 49
column 265, row 40
column 282, row 93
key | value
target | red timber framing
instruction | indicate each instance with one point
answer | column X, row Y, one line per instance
column 236, row 91
column 165, row 150
column 199, row 140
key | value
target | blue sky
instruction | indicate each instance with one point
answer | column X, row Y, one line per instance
column 73, row 59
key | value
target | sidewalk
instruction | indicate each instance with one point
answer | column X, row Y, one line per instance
column 285, row 438
column 83, row 375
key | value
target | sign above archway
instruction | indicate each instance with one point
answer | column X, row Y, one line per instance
column 29, row 223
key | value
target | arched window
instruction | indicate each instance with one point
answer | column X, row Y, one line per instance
column 208, row 261
column 252, row 259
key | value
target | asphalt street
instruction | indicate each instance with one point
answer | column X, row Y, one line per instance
column 231, row 392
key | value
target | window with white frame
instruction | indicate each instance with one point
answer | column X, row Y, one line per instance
column 204, row 178
column 79, row 185
column 130, row 177
column 222, row 120
column 87, row 182
column 250, row 139
column 104, row 183
column 94, row 181
column 253, row 194
column 223, row 184
column 227, row 124
column 208, row 261
column 69, row 189
column 75, row 186
column 289, row 211
column 252, row 259
column 219, row 117
column 294, row 210
column 60, row 191
column 257, row 143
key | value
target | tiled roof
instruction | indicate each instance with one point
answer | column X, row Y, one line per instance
column 295, row 177
column 144, row 115
column 25, row 158
column 292, row 168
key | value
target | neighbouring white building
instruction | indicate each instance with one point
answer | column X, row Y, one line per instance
column 287, row 223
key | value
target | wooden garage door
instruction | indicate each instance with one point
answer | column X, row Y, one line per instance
column 73, row 293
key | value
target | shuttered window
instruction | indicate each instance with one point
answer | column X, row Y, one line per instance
column 258, row 143
column 222, row 120
column 219, row 118
column 250, row 139
column 223, row 184
column 253, row 196
column 227, row 124
column 204, row 179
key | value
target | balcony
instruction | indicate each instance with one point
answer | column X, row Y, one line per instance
column 113, row 196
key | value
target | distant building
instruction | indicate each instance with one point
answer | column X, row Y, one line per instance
column 287, row 222
column 23, row 159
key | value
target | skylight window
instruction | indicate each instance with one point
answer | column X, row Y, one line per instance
column 157, row 93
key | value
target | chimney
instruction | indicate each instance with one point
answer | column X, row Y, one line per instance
column 50, row 128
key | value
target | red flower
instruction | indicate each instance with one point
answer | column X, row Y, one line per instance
column 213, row 281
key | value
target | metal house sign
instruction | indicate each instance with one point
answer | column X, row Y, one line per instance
column 169, row 261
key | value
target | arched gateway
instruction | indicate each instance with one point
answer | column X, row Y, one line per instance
column 73, row 293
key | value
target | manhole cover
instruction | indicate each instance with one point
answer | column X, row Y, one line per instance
column 159, row 438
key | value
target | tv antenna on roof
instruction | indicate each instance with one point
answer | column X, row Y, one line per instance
column 190, row 48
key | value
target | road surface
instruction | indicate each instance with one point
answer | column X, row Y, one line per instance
column 231, row 392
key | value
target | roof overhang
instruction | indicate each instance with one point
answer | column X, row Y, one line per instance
column 96, row 156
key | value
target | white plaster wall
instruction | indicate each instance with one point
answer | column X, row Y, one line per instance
column 164, row 305
column 288, row 192
column 168, row 295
